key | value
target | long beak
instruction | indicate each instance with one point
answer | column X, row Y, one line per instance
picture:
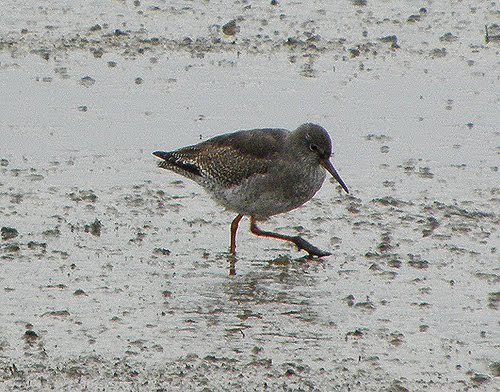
column 330, row 169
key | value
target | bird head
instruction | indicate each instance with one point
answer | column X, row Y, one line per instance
column 315, row 144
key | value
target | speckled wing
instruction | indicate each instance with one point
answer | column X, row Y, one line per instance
column 226, row 160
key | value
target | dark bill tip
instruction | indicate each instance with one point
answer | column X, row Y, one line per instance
column 330, row 169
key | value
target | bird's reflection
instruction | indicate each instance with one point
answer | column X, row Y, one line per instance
column 304, row 262
column 273, row 280
column 231, row 262
column 259, row 290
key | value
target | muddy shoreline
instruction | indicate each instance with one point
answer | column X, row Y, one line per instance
column 115, row 275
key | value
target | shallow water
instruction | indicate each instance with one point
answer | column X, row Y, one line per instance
column 119, row 276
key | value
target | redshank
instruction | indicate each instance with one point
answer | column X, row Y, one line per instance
column 259, row 173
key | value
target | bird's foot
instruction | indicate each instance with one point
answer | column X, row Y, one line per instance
column 302, row 244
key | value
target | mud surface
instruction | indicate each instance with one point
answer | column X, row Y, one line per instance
column 115, row 275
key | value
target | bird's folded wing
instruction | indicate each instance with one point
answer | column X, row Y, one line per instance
column 228, row 159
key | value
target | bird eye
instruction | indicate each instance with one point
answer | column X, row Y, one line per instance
column 313, row 147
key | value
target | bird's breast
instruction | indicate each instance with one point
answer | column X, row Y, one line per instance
column 275, row 192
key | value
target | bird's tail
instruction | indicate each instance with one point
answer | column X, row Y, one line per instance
column 162, row 154
column 172, row 161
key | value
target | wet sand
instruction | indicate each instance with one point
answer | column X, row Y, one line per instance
column 115, row 275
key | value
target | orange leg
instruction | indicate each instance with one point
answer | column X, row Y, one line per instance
column 298, row 241
column 234, row 228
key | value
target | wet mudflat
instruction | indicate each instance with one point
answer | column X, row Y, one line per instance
column 115, row 275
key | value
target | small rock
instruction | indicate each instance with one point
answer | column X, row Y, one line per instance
column 494, row 300
column 187, row 41
column 413, row 18
column 230, row 28
column 349, row 300
column 492, row 33
column 162, row 251
column 394, row 263
column 354, row 52
column 357, row 333
column 438, row 53
column 55, row 232
column 56, row 313
column 87, row 81
column 8, row 233
column 366, row 305
column 84, row 195
column 118, row 33
column 37, row 245
column 448, row 37
column 30, row 335
column 396, row 338
column 418, row 263
column 391, row 39
column 98, row 53
column 94, row 228
column 495, row 369
column 478, row 378
column 12, row 248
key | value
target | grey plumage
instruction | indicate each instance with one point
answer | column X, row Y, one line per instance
column 260, row 172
